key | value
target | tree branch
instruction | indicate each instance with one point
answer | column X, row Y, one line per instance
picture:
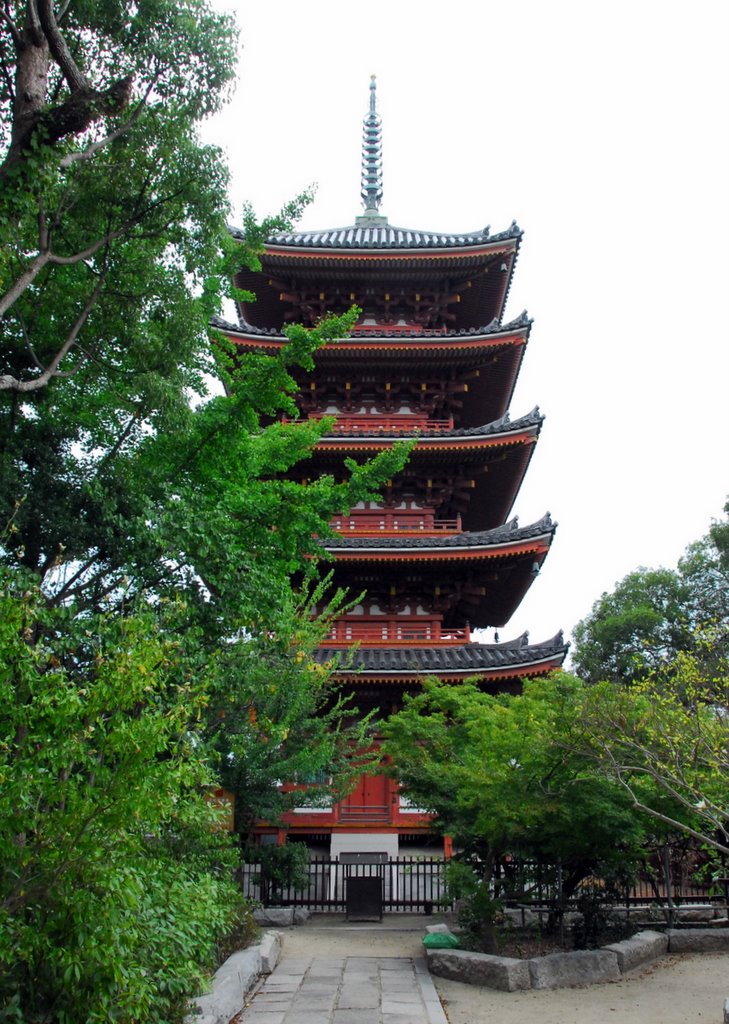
column 59, row 596
column 673, row 822
column 711, row 813
column 86, row 154
column 113, row 451
column 46, row 256
column 77, row 82
column 98, row 594
column 64, row 10
column 12, row 27
column 29, row 344
column 33, row 25
column 8, row 382
column 24, row 281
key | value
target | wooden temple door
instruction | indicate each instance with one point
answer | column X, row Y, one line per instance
column 369, row 801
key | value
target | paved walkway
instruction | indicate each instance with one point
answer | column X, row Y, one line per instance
column 347, row 990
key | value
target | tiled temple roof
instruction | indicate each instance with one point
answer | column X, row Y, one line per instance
column 504, row 425
column 384, row 335
column 372, row 231
column 509, row 533
column 471, row 658
column 375, row 235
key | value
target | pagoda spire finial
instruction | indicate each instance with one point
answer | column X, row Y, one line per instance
column 372, row 156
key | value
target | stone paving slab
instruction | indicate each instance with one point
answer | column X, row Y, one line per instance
column 347, row 990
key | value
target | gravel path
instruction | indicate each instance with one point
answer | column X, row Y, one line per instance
column 672, row 990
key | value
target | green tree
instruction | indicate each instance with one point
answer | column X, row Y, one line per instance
column 77, row 77
column 719, row 533
column 109, row 224
column 504, row 775
column 114, row 882
column 655, row 614
column 277, row 717
column 280, row 867
column 633, row 629
column 122, row 474
column 108, row 203
column 665, row 740
column 139, row 497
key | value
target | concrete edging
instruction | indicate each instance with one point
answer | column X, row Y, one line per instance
column 569, row 969
column 499, row 972
column 639, row 949
column 234, row 979
column 698, row 940
column 281, row 917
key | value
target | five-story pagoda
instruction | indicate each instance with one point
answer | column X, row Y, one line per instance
column 438, row 557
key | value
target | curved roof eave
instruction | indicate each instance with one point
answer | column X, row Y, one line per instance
column 502, row 428
column 501, row 536
column 514, row 657
column 491, row 331
column 383, row 237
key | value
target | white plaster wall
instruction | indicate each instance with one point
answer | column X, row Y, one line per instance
column 368, row 842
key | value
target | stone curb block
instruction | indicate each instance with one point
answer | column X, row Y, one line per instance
column 639, row 949
column 695, row 912
column 231, row 982
column 697, row 940
column 499, row 972
column 274, row 917
column 521, row 917
column 569, row 969
column 270, row 951
column 565, row 970
column 281, row 917
column 229, row 986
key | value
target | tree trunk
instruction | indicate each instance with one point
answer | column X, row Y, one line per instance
column 487, row 925
column 668, row 882
column 31, row 88
column 31, row 113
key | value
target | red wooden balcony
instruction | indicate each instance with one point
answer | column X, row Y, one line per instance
column 379, row 521
column 374, row 423
column 393, row 633
column 412, row 328
column 375, row 800
column 365, row 813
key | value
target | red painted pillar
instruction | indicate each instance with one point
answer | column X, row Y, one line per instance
column 447, row 847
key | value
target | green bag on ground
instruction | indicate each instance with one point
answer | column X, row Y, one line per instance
column 441, row 940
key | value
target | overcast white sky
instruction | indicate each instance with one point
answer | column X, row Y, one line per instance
column 603, row 130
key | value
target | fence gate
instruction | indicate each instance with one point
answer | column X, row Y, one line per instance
column 408, row 883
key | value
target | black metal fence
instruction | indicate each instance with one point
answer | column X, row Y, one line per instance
column 522, row 881
column 409, row 883
column 418, row 884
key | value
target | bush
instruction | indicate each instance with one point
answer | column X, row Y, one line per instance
column 478, row 911
column 115, row 887
column 282, row 867
column 598, row 923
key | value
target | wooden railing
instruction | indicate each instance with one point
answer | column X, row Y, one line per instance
column 390, row 522
column 395, row 633
column 374, row 423
column 412, row 328
column 364, row 812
